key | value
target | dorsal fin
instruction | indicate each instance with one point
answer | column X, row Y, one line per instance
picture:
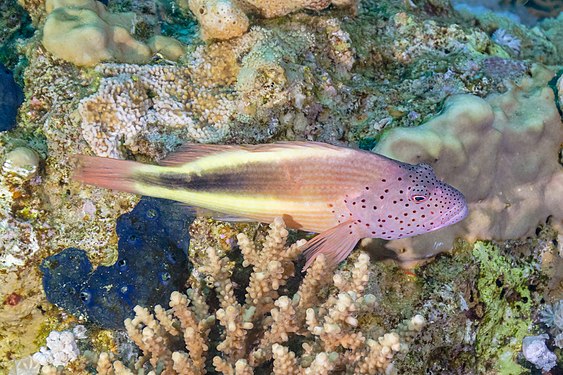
column 193, row 151
column 189, row 152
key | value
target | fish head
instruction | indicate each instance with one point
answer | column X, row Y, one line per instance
column 432, row 204
column 412, row 202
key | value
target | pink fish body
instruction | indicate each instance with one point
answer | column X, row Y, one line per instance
column 341, row 193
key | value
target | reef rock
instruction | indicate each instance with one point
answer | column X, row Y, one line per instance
column 501, row 152
column 152, row 262
column 11, row 96
column 226, row 19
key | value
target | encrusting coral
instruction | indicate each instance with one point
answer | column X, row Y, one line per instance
column 272, row 8
column 141, row 108
column 135, row 101
column 260, row 329
column 84, row 33
column 501, row 152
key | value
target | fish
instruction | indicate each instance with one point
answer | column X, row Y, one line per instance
column 344, row 194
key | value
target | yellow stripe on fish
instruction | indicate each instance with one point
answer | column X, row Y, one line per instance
column 346, row 194
column 234, row 157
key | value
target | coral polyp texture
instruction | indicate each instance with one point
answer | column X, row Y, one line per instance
column 489, row 149
column 258, row 330
column 215, row 97
column 125, row 110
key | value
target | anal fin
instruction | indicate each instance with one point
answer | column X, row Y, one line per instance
column 335, row 243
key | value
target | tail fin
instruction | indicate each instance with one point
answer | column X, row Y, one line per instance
column 108, row 173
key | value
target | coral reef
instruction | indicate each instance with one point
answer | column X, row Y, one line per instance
column 270, row 9
column 11, row 97
column 542, row 45
column 125, row 110
column 309, row 75
column 484, row 148
column 21, row 314
column 148, row 109
column 61, row 349
column 543, row 8
column 497, row 347
column 527, row 12
column 21, row 164
column 151, row 263
column 332, row 335
column 15, row 25
column 504, row 39
column 219, row 19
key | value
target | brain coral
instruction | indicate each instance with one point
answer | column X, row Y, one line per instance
column 501, row 152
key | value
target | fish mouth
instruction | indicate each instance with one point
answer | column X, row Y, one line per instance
column 457, row 217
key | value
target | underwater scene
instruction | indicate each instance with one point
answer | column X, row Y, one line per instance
column 281, row 187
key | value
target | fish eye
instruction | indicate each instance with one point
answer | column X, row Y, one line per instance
column 418, row 198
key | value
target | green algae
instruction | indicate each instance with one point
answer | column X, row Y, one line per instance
column 481, row 300
column 503, row 285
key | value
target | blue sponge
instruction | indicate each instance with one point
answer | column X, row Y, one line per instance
column 11, row 97
column 152, row 262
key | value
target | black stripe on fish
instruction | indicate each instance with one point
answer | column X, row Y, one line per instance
column 219, row 181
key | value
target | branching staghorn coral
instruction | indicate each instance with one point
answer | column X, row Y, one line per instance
column 260, row 329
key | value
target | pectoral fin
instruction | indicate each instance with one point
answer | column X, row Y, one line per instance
column 335, row 243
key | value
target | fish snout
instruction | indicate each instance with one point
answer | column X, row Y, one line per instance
column 458, row 212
